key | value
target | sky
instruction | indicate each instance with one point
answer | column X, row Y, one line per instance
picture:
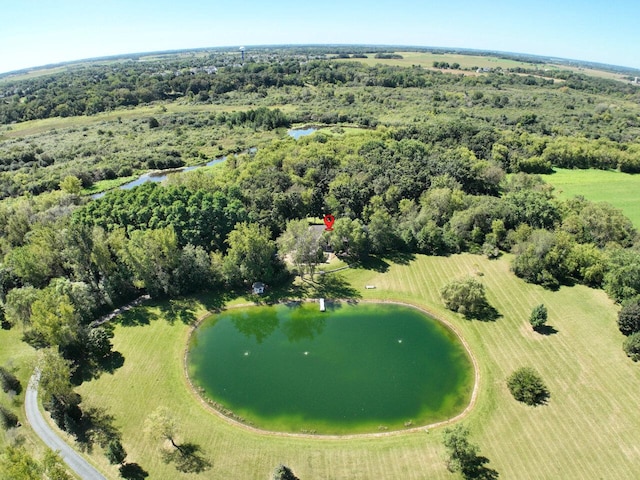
column 40, row 32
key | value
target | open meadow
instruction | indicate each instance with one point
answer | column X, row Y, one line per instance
column 617, row 188
column 589, row 429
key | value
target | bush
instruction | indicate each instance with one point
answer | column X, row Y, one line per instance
column 526, row 386
column 632, row 346
column 629, row 317
column 538, row 316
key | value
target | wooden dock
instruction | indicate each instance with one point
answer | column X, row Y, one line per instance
column 322, row 308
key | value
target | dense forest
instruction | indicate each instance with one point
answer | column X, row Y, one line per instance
column 411, row 160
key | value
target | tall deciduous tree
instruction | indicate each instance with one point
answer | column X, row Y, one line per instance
column 55, row 375
column 53, row 319
column 463, row 455
column 161, row 425
column 152, row 255
column 251, row 256
column 466, row 296
column 302, row 244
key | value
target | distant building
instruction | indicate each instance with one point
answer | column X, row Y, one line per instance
column 258, row 288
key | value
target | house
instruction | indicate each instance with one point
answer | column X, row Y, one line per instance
column 258, row 288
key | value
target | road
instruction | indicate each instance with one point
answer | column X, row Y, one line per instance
column 51, row 438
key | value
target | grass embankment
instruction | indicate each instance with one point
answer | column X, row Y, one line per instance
column 622, row 190
column 589, row 429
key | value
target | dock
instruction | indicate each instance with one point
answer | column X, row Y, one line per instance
column 322, row 309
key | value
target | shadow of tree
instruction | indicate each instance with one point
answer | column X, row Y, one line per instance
column 187, row 458
column 486, row 313
column 333, row 286
column 178, row 310
column 274, row 295
column 132, row 471
column 546, row 330
column 136, row 316
column 374, row 263
column 477, row 469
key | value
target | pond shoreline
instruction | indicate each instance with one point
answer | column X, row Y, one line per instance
column 209, row 404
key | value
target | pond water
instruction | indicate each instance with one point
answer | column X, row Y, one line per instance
column 296, row 133
column 352, row 369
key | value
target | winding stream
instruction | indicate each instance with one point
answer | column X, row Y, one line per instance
column 162, row 175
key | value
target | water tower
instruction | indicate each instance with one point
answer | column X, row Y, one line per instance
column 242, row 52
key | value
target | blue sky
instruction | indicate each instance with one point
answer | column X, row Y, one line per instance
column 38, row 32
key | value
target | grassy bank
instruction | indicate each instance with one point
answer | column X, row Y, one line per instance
column 589, row 429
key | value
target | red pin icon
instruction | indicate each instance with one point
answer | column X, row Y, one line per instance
column 328, row 221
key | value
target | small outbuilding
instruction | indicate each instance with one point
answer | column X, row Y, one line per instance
column 258, row 288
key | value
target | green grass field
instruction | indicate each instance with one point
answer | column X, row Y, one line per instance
column 426, row 59
column 622, row 190
column 590, row 428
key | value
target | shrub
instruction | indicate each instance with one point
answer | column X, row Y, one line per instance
column 526, row 386
column 632, row 346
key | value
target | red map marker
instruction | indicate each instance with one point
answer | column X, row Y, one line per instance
column 328, row 221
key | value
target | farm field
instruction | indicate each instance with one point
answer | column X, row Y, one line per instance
column 589, row 429
column 426, row 59
column 622, row 190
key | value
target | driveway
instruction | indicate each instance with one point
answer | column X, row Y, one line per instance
column 51, row 438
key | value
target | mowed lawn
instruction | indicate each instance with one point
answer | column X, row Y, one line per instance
column 622, row 190
column 590, row 428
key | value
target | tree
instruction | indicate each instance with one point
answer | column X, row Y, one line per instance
column 8, row 419
column 350, row 237
column 16, row 463
column 161, row 425
column 115, row 452
column 622, row 280
column 152, row 255
column 538, row 316
column 251, row 256
column 193, row 272
column 18, row 305
column 55, row 375
column 53, row 319
column 463, row 455
column 466, row 296
column 527, row 386
column 302, row 245
column 98, row 343
column 9, row 382
column 631, row 346
column 53, row 467
column 71, row 185
column 629, row 317
column 282, row 472
column 382, row 236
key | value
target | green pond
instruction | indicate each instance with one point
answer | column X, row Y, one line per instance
column 352, row 369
